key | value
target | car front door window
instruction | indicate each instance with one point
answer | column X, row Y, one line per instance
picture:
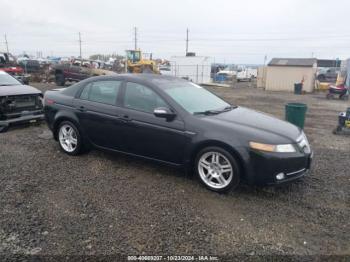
column 142, row 98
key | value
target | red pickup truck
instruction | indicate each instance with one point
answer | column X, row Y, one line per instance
column 76, row 71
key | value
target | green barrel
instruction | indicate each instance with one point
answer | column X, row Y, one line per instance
column 295, row 114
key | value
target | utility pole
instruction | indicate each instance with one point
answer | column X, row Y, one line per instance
column 7, row 44
column 80, row 45
column 135, row 37
column 265, row 59
column 186, row 41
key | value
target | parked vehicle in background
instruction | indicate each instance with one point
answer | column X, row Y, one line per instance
column 156, row 117
column 30, row 65
column 137, row 62
column 246, row 74
column 342, row 91
column 18, row 103
column 9, row 65
column 165, row 70
column 215, row 68
column 328, row 74
column 76, row 70
column 227, row 74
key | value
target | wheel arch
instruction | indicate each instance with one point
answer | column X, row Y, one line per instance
column 215, row 143
column 59, row 119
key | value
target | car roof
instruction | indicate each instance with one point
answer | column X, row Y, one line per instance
column 146, row 78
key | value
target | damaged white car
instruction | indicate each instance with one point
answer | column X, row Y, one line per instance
column 18, row 103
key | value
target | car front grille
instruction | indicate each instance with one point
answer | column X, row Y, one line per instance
column 14, row 106
column 24, row 101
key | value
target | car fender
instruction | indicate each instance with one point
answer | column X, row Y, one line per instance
column 65, row 115
column 234, row 146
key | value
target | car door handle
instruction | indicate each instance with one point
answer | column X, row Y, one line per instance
column 82, row 108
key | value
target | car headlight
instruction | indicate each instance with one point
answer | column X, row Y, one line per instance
column 286, row 148
column 303, row 143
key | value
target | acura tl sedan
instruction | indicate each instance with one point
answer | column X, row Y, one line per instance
column 177, row 122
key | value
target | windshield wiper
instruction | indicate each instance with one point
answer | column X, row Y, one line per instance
column 215, row 112
column 228, row 108
column 207, row 112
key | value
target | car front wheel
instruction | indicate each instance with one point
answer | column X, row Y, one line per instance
column 69, row 138
column 217, row 169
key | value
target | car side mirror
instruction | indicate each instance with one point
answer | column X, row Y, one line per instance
column 164, row 112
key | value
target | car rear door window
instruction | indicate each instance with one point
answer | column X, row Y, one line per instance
column 142, row 98
column 105, row 92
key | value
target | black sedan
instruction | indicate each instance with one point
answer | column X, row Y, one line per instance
column 177, row 122
column 18, row 103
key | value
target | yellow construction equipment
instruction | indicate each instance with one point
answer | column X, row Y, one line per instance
column 137, row 64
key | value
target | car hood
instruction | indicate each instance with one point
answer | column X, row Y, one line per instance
column 18, row 90
column 246, row 120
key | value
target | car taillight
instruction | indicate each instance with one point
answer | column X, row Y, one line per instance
column 49, row 101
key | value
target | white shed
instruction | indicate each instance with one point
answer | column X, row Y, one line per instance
column 194, row 68
column 283, row 73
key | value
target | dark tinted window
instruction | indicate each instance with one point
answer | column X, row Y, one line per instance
column 105, row 92
column 73, row 89
column 142, row 98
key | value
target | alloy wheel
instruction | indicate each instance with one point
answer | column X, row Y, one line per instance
column 68, row 138
column 215, row 170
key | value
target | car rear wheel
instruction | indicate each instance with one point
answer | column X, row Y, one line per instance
column 69, row 138
column 217, row 169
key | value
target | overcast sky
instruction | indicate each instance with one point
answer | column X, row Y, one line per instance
column 229, row 31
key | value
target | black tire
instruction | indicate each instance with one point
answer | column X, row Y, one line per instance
column 60, row 79
column 234, row 164
column 79, row 147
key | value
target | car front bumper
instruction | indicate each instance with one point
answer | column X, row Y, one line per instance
column 25, row 117
column 265, row 167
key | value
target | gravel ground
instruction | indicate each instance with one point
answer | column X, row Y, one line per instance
column 103, row 203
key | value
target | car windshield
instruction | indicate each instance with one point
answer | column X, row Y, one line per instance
column 7, row 80
column 194, row 98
